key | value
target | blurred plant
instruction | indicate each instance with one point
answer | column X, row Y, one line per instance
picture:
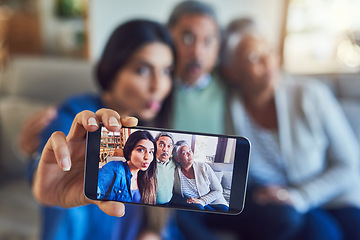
column 69, row 8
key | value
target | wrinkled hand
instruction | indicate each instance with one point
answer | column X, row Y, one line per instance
column 272, row 194
column 29, row 139
column 194, row 200
column 59, row 179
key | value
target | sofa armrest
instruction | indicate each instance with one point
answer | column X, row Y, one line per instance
column 50, row 80
column 13, row 111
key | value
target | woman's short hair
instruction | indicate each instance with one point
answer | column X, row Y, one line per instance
column 234, row 34
column 178, row 145
column 124, row 42
column 133, row 139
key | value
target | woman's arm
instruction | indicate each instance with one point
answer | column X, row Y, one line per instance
column 106, row 178
column 30, row 134
column 341, row 167
column 215, row 187
column 59, row 179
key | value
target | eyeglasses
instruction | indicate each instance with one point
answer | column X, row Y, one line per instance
column 256, row 56
column 189, row 39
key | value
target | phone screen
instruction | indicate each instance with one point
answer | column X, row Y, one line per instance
column 167, row 168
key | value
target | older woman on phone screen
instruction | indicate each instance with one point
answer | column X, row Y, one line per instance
column 135, row 179
column 196, row 185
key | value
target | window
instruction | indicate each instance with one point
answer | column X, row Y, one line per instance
column 322, row 36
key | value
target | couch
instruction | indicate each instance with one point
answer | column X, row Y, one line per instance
column 32, row 83
column 223, row 172
column 29, row 84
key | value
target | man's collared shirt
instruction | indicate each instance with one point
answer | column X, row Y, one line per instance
column 200, row 84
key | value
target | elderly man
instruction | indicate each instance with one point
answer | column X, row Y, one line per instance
column 165, row 167
column 199, row 95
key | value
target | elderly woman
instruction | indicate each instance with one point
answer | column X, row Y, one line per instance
column 304, row 173
column 196, row 184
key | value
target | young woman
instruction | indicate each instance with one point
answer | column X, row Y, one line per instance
column 134, row 75
column 135, row 179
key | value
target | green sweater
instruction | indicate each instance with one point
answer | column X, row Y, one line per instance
column 200, row 109
column 195, row 109
column 165, row 178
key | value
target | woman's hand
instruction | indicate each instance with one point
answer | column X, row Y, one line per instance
column 59, row 179
column 272, row 194
column 195, row 200
column 29, row 140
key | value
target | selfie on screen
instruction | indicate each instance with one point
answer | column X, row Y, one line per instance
column 171, row 169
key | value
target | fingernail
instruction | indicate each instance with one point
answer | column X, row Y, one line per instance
column 122, row 214
column 128, row 117
column 92, row 122
column 65, row 163
column 113, row 122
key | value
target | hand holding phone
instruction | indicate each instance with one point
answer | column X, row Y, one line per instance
column 59, row 179
column 167, row 168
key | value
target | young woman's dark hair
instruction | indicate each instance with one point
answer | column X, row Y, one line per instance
column 121, row 46
column 146, row 180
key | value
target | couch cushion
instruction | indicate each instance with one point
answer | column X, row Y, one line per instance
column 2, row 88
column 226, row 184
column 227, row 179
column 349, row 86
column 221, row 166
column 351, row 109
column 223, row 172
column 13, row 111
column 219, row 175
column 48, row 79
column 5, row 76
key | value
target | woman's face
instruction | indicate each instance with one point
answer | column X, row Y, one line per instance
column 256, row 65
column 185, row 156
column 143, row 83
column 142, row 155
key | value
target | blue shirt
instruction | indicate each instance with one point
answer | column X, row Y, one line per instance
column 136, row 196
column 86, row 222
column 114, row 182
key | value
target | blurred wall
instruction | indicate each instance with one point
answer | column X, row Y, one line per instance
column 105, row 15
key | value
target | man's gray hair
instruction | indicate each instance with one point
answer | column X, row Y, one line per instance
column 178, row 145
column 191, row 7
column 164, row 134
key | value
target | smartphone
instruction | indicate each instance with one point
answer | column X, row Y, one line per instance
column 167, row 168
